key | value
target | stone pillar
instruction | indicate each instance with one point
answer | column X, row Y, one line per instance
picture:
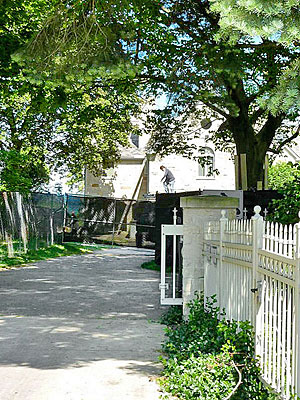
column 197, row 211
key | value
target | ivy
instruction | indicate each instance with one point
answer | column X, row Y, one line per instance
column 209, row 357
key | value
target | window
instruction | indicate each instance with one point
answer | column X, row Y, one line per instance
column 135, row 139
column 206, row 163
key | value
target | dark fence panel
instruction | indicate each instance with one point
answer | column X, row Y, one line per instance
column 263, row 198
column 109, row 220
column 164, row 206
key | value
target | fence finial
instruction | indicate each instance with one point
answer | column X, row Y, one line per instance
column 175, row 215
column 257, row 210
column 223, row 214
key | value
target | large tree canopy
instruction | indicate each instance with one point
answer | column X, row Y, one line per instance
column 176, row 47
column 22, row 152
column 278, row 20
column 57, row 117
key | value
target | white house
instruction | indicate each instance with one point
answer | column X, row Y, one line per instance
column 138, row 174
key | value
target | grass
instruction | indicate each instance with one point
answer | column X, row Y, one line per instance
column 154, row 267
column 57, row 250
column 151, row 265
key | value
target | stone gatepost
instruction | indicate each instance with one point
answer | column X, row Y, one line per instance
column 197, row 211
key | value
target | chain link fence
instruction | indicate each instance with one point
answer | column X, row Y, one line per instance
column 29, row 222
column 37, row 220
column 109, row 220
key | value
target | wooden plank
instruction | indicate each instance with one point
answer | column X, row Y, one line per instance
column 259, row 185
column 237, row 172
column 128, row 206
column 266, row 174
column 277, row 257
column 244, row 172
column 163, row 268
column 235, row 261
column 276, row 277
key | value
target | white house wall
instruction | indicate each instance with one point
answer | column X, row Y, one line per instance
column 186, row 174
column 119, row 182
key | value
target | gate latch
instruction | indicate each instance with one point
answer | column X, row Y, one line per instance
column 163, row 286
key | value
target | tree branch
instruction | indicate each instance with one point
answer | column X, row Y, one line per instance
column 203, row 9
column 266, row 134
column 224, row 125
column 217, row 109
column 256, row 115
column 286, row 141
column 255, row 95
column 265, row 44
column 153, row 78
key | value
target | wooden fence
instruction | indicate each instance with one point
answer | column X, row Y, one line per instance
column 253, row 267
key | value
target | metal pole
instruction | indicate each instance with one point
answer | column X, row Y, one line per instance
column 113, row 232
column 65, row 215
column 51, row 222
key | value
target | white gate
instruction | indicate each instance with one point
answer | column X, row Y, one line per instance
column 171, row 275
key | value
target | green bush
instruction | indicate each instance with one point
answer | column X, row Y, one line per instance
column 282, row 174
column 203, row 377
column 285, row 177
column 203, row 352
column 172, row 316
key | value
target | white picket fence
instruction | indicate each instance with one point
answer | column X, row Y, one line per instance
column 253, row 268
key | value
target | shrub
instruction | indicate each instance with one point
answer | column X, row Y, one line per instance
column 173, row 316
column 203, row 377
column 282, row 174
column 206, row 354
column 285, row 177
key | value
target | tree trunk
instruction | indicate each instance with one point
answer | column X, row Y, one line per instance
column 254, row 144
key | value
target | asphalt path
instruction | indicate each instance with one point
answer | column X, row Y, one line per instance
column 81, row 328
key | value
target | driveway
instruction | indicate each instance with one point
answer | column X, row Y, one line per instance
column 81, row 328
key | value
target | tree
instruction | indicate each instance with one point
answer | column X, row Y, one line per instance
column 94, row 124
column 48, row 122
column 276, row 20
column 176, row 47
column 25, row 124
column 285, row 178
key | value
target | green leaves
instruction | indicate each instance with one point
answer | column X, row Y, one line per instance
column 22, row 171
column 276, row 22
column 201, row 55
column 204, row 377
column 204, row 354
column 64, row 91
column 285, row 177
column 94, row 125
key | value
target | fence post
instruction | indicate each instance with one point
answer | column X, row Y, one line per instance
column 257, row 232
column 297, row 309
column 223, row 222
